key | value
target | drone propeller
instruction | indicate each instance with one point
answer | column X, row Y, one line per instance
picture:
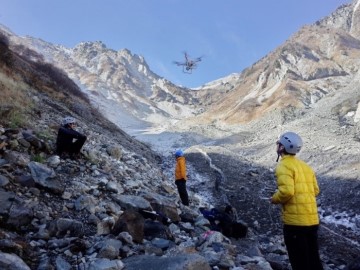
column 179, row 63
column 198, row 59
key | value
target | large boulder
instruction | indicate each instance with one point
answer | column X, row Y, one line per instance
column 133, row 223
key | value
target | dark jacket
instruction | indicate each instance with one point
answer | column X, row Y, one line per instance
column 65, row 140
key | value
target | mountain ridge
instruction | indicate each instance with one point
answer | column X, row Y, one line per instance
column 297, row 73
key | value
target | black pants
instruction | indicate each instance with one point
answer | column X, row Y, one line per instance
column 302, row 246
column 181, row 186
column 71, row 148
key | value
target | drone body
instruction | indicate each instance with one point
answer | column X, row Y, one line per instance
column 189, row 64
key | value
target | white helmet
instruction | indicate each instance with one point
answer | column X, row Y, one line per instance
column 291, row 142
column 68, row 120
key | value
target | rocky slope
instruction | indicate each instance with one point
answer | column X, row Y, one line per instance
column 69, row 208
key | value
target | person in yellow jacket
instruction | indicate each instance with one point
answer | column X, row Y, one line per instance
column 297, row 191
column 180, row 176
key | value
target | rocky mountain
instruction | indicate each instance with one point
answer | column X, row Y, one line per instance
column 316, row 61
column 120, row 84
column 227, row 127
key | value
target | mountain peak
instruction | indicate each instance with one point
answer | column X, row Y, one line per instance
column 91, row 45
column 355, row 20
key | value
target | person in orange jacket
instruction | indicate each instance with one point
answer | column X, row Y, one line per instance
column 296, row 193
column 180, row 176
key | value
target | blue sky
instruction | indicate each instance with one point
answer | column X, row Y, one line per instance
column 230, row 34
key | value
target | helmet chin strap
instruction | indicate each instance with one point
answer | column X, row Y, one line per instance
column 279, row 151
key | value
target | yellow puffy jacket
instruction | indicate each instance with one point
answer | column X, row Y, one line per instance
column 297, row 191
column 180, row 168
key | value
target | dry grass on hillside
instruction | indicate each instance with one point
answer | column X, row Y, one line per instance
column 15, row 101
column 22, row 76
column 13, row 92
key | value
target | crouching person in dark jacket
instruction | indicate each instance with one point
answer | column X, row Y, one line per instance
column 69, row 141
column 225, row 221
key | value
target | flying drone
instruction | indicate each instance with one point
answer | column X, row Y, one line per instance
column 189, row 64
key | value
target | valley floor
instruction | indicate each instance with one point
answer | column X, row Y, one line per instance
column 219, row 178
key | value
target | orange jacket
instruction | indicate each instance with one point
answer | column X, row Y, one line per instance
column 297, row 191
column 180, row 168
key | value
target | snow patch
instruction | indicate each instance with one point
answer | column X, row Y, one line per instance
column 357, row 114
